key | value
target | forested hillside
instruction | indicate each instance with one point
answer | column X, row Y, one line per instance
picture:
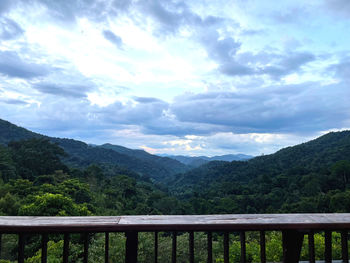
column 81, row 155
column 310, row 177
column 34, row 181
column 169, row 165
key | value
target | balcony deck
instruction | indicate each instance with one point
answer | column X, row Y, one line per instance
column 292, row 226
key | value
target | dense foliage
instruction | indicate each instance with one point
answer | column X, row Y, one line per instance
column 34, row 181
column 311, row 177
column 81, row 155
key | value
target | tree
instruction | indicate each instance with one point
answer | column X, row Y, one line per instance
column 342, row 169
column 7, row 167
column 36, row 157
column 54, row 205
column 9, row 205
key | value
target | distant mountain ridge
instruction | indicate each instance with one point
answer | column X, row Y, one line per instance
column 314, row 157
column 196, row 161
column 82, row 154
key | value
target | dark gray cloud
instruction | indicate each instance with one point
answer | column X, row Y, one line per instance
column 132, row 114
column 339, row 7
column 290, row 16
column 252, row 32
column 295, row 108
column 222, row 50
column 168, row 126
column 341, row 70
column 14, row 101
column 5, row 5
column 274, row 64
column 150, row 115
column 305, row 108
column 231, row 62
column 122, row 4
column 9, row 29
column 63, row 90
column 287, row 64
column 68, row 10
column 12, row 65
column 146, row 99
column 233, row 68
column 110, row 36
column 171, row 15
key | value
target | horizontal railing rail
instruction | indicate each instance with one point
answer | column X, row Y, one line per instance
column 292, row 226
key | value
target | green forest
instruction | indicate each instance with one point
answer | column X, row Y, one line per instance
column 46, row 176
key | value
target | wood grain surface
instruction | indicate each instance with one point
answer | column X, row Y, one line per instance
column 12, row 224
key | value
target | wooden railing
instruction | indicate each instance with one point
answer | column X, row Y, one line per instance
column 292, row 226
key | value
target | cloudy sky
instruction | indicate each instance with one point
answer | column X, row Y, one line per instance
column 179, row 77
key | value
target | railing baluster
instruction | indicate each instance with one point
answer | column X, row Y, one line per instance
column 210, row 247
column 131, row 247
column 226, row 247
column 20, row 248
column 292, row 242
column 243, row 248
column 344, row 246
column 106, row 247
column 65, row 247
column 155, row 247
column 86, row 247
column 262, row 247
column 328, row 246
column 311, row 247
column 173, row 253
column 44, row 239
column 191, row 246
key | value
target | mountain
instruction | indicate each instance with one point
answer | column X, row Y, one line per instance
column 170, row 165
column 309, row 177
column 200, row 160
column 307, row 157
column 83, row 155
column 10, row 132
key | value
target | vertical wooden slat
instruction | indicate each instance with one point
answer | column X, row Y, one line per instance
column 20, row 248
column 44, row 239
column 173, row 253
column 156, row 247
column 292, row 242
column 311, row 247
column 191, row 246
column 131, row 247
column 262, row 247
column 226, row 247
column 243, row 247
column 106, row 247
column 210, row 247
column 65, row 248
column 328, row 246
column 0, row 244
column 344, row 246
column 86, row 248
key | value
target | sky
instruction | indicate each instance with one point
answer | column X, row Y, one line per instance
column 194, row 77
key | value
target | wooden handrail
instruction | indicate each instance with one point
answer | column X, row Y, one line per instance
column 292, row 226
column 246, row 222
